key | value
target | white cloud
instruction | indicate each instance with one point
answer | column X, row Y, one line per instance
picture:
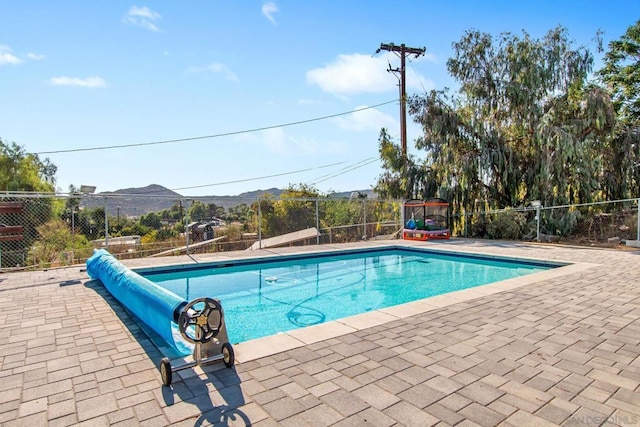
column 277, row 141
column 216, row 68
column 142, row 17
column 7, row 57
column 35, row 56
column 429, row 57
column 352, row 74
column 75, row 81
column 268, row 9
column 367, row 120
column 357, row 73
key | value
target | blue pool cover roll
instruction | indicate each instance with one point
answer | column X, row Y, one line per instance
column 152, row 304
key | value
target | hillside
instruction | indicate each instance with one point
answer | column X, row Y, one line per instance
column 134, row 201
column 153, row 198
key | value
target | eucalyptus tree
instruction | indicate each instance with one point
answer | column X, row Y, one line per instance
column 403, row 178
column 524, row 124
column 621, row 75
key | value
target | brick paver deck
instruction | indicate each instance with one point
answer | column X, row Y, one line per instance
column 560, row 351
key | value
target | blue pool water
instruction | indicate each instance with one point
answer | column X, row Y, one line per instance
column 262, row 298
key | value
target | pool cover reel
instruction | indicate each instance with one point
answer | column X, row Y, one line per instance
column 157, row 307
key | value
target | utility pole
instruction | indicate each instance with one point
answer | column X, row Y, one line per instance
column 402, row 51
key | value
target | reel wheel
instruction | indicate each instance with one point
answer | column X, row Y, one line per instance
column 165, row 371
column 201, row 320
column 228, row 356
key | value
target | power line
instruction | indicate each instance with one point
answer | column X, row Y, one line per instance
column 348, row 169
column 342, row 171
column 256, row 178
column 331, row 174
column 218, row 135
column 418, row 78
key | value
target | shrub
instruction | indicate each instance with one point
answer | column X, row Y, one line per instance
column 166, row 234
column 561, row 223
column 508, row 225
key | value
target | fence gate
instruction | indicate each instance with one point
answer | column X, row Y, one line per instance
column 11, row 230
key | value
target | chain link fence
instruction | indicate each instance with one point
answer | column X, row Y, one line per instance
column 607, row 223
column 39, row 231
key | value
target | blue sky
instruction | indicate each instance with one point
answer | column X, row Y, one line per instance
column 78, row 75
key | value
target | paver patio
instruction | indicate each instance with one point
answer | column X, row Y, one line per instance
column 553, row 350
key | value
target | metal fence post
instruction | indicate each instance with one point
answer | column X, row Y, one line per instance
column 186, row 226
column 317, row 223
column 466, row 225
column 73, row 235
column 538, row 223
column 259, row 225
column 186, row 234
column 364, row 218
column 106, row 226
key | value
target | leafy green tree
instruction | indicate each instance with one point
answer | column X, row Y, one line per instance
column 151, row 220
column 172, row 215
column 337, row 213
column 97, row 221
column 71, row 206
column 216, row 211
column 55, row 239
column 239, row 213
column 292, row 212
column 90, row 222
column 621, row 75
column 22, row 171
column 200, row 211
column 403, row 178
column 166, row 234
column 136, row 229
column 25, row 172
column 524, row 125
column 341, row 212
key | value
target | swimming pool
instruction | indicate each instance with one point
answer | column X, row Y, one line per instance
column 264, row 297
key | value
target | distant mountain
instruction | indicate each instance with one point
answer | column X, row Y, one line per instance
column 250, row 196
column 154, row 198
column 149, row 190
column 259, row 193
column 134, row 201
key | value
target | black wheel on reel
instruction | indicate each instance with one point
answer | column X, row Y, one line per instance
column 200, row 320
column 228, row 357
column 165, row 371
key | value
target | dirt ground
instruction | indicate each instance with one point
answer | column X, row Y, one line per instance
column 606, row 230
